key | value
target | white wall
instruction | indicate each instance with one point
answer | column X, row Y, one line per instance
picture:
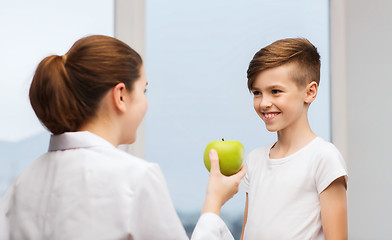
column 368, row 39
column 369, row 127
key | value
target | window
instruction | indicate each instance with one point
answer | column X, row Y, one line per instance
column 30, row 32
column 197, row 54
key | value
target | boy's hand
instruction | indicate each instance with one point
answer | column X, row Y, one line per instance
column 220, row 188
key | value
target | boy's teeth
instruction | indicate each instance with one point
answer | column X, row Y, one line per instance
column 269, row 115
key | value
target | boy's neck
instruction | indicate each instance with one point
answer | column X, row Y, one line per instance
column 292, row 140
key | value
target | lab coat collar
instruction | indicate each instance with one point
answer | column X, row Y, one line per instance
column 73, row 140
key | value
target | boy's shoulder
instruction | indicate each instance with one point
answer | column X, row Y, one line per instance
column 260, row 151
column 258, row 155
column 325, row 155
column 324, row 148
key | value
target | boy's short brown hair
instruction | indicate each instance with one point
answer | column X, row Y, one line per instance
column 299, row 51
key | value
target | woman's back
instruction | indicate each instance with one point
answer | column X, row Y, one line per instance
column 85, row 188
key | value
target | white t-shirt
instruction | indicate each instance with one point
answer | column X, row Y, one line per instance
column 283, row 194
column 85, row 188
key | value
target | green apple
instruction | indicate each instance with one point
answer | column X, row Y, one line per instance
column 230, row 153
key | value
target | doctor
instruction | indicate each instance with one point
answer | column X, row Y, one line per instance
column 92, row 99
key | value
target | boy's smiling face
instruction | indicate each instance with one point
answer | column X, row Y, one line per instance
column 279, row 101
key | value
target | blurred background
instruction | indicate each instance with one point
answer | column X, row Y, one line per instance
column 196, row 54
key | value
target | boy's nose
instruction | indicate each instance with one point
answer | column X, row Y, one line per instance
column 265, row 103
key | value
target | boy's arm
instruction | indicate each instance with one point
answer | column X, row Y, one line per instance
column 333, row 204
column 245, row 217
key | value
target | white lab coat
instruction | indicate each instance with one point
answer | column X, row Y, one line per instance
column 85, row 188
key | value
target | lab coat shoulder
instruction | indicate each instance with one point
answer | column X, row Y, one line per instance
column 153, row 213
column 4, row 206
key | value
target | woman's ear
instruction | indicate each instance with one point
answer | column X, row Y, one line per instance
column 118, row 94
column 311, row 92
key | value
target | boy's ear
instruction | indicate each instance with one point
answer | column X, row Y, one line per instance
column 118, row 94
column 311, row 92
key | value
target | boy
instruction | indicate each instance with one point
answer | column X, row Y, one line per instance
column 296, row 187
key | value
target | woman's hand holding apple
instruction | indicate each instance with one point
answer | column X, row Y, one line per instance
column 220, row 188
column 230, row 154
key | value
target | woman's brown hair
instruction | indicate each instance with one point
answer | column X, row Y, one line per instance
column 299, row 51
column 66, row 90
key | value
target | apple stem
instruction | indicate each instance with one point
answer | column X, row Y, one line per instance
column 223, row 139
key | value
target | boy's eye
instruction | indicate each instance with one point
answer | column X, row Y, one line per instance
column 255, row 92
column 276, row 91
